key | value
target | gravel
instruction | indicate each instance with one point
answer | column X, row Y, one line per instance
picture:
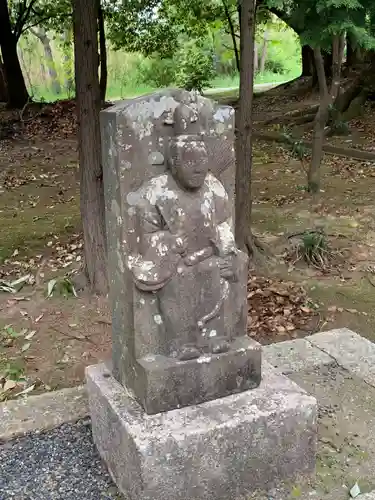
column 58, row 464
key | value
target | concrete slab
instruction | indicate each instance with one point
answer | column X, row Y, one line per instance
column 295, row 355
column 367, row 496
column 213, row 451
column 38, row 413
column 346, row 423
column 349, row 350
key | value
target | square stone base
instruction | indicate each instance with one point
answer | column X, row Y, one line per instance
column 218, row 450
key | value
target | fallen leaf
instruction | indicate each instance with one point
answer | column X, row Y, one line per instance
column 30, row 335
column 352, row 311
column 25, row 347
column 355, row 491
column 65, row 359
column 50, row 287
column 26, row 391
column 9, row 385
column 332, row 309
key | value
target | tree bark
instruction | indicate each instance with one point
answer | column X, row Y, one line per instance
column 3, row 83
column 244, row 128
column 85, row 24
column 42, row 36
column 24, row 69
column 18, row 95
column 308, row 63
column 67, row 61
column 103, row 56
column 256, row 58
column 263, row 56
column 326, row 99
column 232, row 33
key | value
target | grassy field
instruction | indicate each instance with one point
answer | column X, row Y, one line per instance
column 117, row 90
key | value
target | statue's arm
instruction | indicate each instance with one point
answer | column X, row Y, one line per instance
column 156, row 259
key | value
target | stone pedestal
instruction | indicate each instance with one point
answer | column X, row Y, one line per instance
column 218, row 450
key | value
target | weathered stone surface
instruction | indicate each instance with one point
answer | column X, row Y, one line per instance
column 295, row 355
column 351, row 351
column 42, row 412
column 177, row 280
column 167, row 383
column 218, row 450
column 367, row 496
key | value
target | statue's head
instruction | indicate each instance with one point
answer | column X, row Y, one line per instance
column 188, row 160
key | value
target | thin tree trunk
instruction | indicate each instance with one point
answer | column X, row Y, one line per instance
column 18, row 95
column 244, row 127
column 232, row 33
column 256, row 58
column 24, row 69
column 103, row 56
column 263, row 56
column 308, row 64
column 67, row 60
column 3, row 83
column 326, row 99
column 85, row 22
column 42, row 36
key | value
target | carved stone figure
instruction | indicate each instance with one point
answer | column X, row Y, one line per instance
column 187, row 253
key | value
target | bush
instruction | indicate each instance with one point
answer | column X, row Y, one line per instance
column 157, row 72
column 275, row 66
column 196, row 68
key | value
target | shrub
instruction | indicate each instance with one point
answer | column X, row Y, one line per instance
column 157, row 72
column 196, row 67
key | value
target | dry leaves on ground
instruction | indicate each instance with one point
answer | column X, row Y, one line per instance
column 277, row 308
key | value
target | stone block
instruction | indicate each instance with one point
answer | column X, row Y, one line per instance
column 218, row 450
column 166, row 383
column 349, row 350
column 295, row 355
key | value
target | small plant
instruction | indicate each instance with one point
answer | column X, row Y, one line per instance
column 61, row 286
column 313, row 248
column 13, row 371
column 10, row 332
column 339, row 127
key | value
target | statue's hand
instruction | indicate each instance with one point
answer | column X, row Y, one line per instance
column 226, row 267
column 180, row 243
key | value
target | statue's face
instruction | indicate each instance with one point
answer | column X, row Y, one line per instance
column 190, row 168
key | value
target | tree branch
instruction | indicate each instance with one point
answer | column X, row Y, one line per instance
column 22, row 18
column 322, row 80
column 233, row 33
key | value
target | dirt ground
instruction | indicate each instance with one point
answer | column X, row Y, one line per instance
column 45, row 342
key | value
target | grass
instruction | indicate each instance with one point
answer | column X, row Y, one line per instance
column 118, row 89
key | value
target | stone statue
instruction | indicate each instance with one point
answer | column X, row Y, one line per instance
column 187, row 255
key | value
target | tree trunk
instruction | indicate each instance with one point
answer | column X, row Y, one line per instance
column 24, row 69
column 244, row 128
column 256, row 58
column 263, row 56
column 326, row 99
column 103, row 56
column 327, row 60
column 232, row 33
column 308, row 63
column 85, row 23
column 3, row 83
column 18, row 95
column 67, row 61
column 41, row 34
